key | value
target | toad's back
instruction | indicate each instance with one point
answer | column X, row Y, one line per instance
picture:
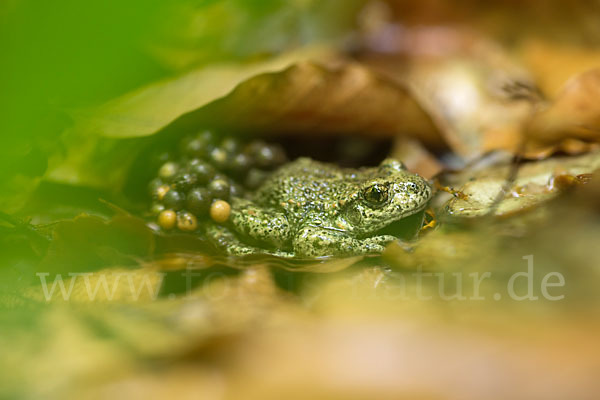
column 306, row 183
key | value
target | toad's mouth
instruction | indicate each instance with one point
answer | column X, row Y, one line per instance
column 404, row 228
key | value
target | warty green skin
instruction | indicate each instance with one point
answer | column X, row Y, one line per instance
column 312, row 209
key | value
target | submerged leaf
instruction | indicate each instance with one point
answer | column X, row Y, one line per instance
column 89, row 243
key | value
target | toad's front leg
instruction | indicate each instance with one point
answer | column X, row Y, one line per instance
column 266, row 226
column 226, row 240
column 317, row 242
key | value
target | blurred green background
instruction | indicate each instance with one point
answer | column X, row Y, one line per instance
column 65, row 55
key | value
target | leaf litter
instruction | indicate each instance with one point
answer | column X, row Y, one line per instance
column 263, row 327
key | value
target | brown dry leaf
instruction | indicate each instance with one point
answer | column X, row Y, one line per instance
column 355, row 334
column 478, row 104
column 381, row 341
column 533, row 185
column 481, row 99
column 145, row 111
column 356, row 358
column 475, row 92
column 553, row 64
column 306, row 92
column 416, row 157
column 103, row 142
column 84, row 344
column 314, row 99
column 572, row 119
column 330, row 96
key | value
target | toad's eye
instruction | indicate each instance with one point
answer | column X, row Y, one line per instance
column 376, row 195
